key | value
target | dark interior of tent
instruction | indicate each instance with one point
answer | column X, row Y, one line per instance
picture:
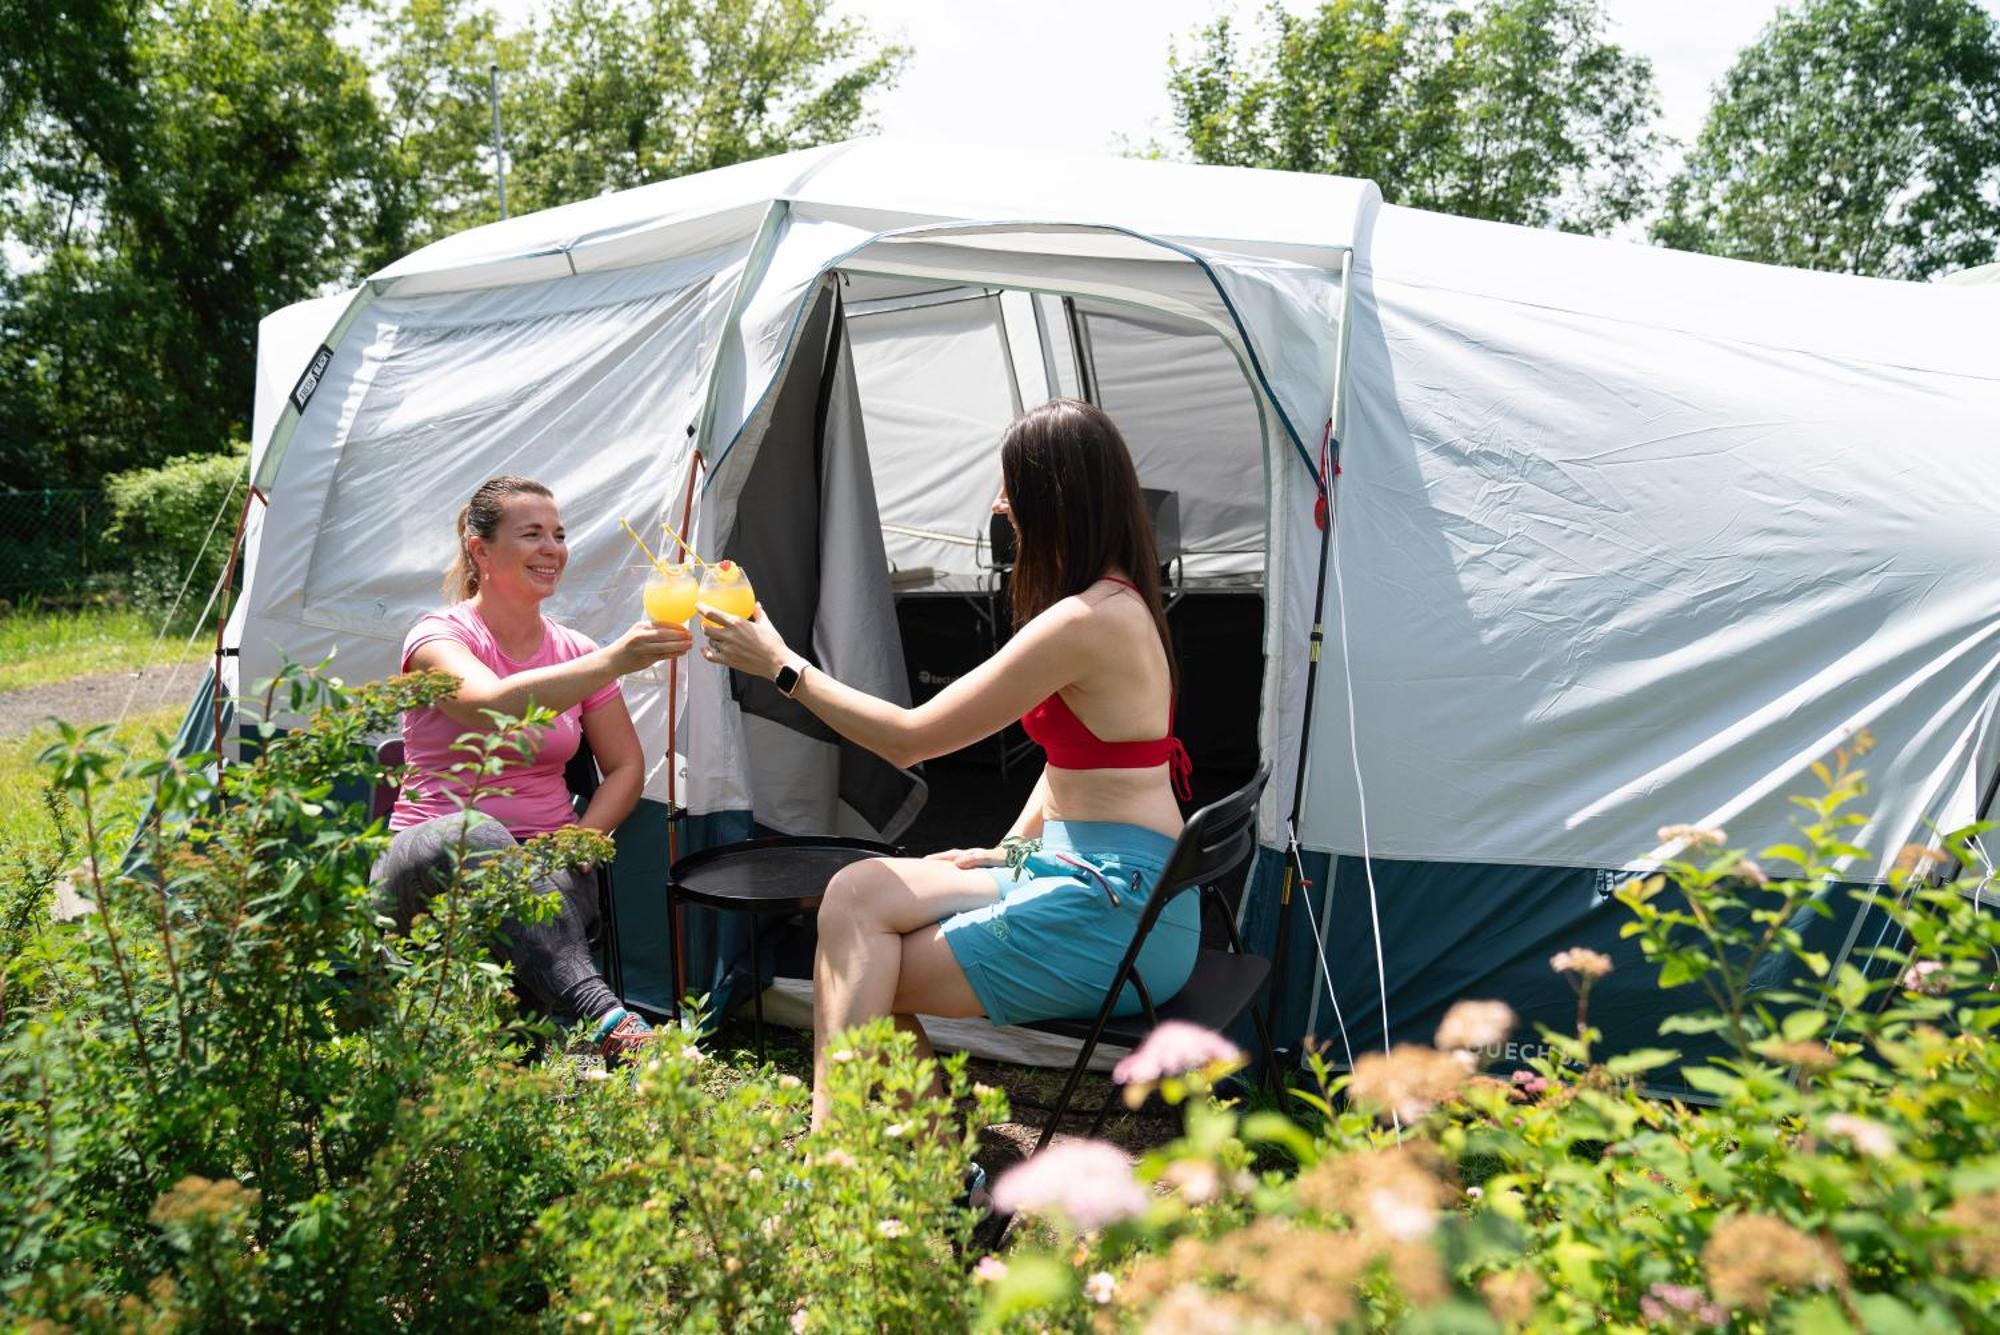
column 938, row 371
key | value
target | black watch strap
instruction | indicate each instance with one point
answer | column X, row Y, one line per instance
column 787, row 680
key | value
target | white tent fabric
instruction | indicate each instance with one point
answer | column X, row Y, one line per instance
column 1631, row 536
column 1625, row 535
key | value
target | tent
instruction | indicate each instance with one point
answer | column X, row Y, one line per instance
column 1622, row 536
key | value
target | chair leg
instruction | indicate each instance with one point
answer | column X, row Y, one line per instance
column 1068, row 1092
column 614, row 955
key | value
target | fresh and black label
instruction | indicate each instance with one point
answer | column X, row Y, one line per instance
column 303, row 391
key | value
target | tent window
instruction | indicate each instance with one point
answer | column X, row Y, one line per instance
column 937, row 389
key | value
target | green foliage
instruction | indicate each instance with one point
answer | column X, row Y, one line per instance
column 182, row 168
column 164, row 523
column 1515, row 110
column 618, row 94
column 234, row 1099
column 173, row 170
column 710, row 1212
column 1844, row 1180
column 1855, row 135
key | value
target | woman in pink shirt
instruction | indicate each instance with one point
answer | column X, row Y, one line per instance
column 507, row 656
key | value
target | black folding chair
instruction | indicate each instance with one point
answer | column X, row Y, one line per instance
column 1212, row 855
column 581, row 778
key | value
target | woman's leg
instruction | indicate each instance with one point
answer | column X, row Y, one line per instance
column 863, row 921
column 553, row 968
column 553, row 963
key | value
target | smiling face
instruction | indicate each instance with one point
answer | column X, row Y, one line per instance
column 527, row 552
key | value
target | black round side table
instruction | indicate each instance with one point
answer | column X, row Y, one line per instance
column 780, row 874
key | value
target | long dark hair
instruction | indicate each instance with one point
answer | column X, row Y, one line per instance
column 1078, row 514
column 480, row 518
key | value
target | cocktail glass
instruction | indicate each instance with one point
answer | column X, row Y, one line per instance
column 725, row 587
column 671, row 593
column 669, row 598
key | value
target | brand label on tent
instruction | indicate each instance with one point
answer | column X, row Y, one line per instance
column 303, row 391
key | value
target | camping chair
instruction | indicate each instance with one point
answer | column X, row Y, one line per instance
column 1213, row 852
column 581, row 778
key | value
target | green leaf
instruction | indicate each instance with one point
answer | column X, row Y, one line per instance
column 1701, row 1022
column 1030, row 1284
column 1712, row 1080
column 1640, row 1060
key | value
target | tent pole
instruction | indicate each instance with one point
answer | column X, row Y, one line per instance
column 251, row 493
column 1329, row 468
column 673, row 715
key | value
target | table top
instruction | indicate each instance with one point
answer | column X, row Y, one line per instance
column 785, row 873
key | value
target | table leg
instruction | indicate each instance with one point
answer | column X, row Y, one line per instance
column 757, row 980
column 674, row 949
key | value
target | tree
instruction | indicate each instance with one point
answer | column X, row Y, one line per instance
column 1854, row 135
column 178, row 170
column 173, row 170
column 634, row 91
column 1515, row 110
column 608, row 94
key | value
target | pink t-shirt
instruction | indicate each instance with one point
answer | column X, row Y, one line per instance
column 534, row 800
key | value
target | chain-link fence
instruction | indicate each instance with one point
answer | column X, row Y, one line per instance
column 52, row 543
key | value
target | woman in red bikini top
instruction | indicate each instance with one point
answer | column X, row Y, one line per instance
column 1090, row 674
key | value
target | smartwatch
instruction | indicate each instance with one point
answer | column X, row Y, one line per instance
column 787, row 680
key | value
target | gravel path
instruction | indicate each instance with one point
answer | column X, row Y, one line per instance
column 95, row 699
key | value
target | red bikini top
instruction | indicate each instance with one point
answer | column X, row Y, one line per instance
column 1070, row 744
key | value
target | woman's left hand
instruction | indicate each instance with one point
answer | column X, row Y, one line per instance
column 753, row 645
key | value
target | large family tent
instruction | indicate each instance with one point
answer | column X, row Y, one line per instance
column 1621, row 537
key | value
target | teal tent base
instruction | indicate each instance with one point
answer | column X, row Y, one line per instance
column 1478, row 931
column 717, row 945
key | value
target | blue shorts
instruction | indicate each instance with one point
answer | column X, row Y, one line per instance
column 1048, row 949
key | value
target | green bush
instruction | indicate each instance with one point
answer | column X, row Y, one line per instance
column 235, row 1101
column 161, row 516
column 1845, row 1180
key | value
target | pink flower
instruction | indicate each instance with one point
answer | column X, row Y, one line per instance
column 1866, row 1134
column 799, row 1319
column 1581, row 961
column 1922, row 978
column 1475, row 1025
column 1088, row 1182
column 1673, row 1305
column 1099, row 1287
column 1531, row 1084
column 1175, row 1048
column 990, row 1270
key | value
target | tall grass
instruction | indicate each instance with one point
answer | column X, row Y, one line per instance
column 39, row 647
column 24, row 816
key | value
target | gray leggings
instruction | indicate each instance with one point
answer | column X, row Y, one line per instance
column 553, row 968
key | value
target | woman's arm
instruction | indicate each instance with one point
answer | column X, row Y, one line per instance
column 621, row 765
column 1039, row 661
column 556, row 687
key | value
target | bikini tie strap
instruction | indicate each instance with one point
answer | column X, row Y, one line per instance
column 1180, row 766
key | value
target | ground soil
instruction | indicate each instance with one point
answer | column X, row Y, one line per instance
column 98, row 698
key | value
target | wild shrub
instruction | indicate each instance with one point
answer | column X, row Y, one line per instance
column 1844, row 1178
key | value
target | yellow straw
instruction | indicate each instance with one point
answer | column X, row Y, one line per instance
column 651, row 559
column 687, row 548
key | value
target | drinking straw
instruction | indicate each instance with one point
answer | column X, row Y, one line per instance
column 651, row 559
column 686, row 549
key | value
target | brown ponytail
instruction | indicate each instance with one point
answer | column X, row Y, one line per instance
column 480, row 518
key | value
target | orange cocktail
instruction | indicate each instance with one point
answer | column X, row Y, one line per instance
column 726, row 588
column 671, row 593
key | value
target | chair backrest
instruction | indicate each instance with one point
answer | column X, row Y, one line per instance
column 1216, row 842
column 390, row 755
